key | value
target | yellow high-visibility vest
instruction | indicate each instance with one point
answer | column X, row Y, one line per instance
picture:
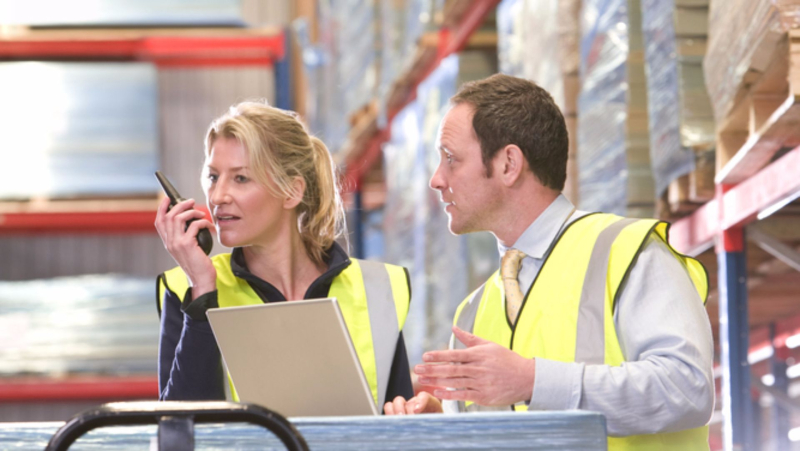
column 374, row 298
column 565, row 318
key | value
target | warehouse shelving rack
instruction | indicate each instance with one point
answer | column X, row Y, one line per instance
column 172, row 48
column 758, row 175
column 166, row 48
column 746, row 191
column 362, row 149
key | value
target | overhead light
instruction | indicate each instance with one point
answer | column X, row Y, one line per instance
column 768, row 380
column 794, row 435
column 793, row 341
column 760, row 354
column 793, row 371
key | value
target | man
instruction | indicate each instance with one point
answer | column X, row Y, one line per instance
column 588, row 311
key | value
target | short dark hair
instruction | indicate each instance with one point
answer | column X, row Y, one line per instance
column 511, row 110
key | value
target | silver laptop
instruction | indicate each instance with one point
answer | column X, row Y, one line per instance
column 295, row 358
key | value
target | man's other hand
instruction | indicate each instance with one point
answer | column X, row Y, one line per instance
column 422, row 403
column 485, row 373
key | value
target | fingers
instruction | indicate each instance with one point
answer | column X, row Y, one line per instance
column 165, row 218
column 396, row 407
column 450, row 356
column 422, row 403
column 418, row 404
column 448, row 382
column 194, row 228
column 427, row 403
column 438, row 370
column 415, row 405
column 173, row 225
column 183, row 217
column 457, row 395
column 467, row 338
column 163, row 206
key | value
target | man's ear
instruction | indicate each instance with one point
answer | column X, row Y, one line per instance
column 512, row 164
column 297, row 192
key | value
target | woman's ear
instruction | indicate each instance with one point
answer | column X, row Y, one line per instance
column 297, row 192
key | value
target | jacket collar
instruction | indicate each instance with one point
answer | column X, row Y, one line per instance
column 335, row 258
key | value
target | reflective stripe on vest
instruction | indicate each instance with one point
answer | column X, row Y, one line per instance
column 373, row 297
column 563, row 317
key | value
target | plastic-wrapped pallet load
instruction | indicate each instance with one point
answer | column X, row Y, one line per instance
column 88, row 324
column 511, row 33
column 741, row 37
column 401, row 27
column 613, row 139
column 341, row 67
column 415, row 225
column 65, row 138
column 569, row 34
column 681, row 119
column 526, row 31
column 346, row 70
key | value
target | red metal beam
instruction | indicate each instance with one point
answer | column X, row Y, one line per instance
column 84, row 222
column 695, row 233
column 162, row 50
column 78, row 388
column 80, row 222
column 739, row 205
column 472, row 19
column 779, row 180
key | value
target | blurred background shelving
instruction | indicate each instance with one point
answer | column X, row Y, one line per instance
column 92, row 95
column 681, row 109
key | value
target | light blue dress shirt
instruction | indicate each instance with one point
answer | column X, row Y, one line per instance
column 666, row 383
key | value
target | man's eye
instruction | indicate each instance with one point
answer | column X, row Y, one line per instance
column 449, row 158
column 212, row 177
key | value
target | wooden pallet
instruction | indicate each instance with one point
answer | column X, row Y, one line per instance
column 765, row 118
column 687, row 193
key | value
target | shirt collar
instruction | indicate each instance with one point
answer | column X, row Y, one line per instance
column 536, row 239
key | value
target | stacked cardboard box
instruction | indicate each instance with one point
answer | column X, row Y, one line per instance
column 743, row 35
column 569, row 36
column 751, row 69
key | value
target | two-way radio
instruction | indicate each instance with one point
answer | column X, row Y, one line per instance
column 204, row 238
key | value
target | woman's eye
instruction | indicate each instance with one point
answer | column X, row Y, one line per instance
column 240, row 179
column 212, row 177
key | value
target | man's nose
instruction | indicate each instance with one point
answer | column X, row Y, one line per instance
column 437, row 181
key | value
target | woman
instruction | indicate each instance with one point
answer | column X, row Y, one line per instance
column 271, row 189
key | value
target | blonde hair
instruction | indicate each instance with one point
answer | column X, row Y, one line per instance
column 279, row 148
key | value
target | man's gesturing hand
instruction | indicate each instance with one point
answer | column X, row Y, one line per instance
column 485, row 373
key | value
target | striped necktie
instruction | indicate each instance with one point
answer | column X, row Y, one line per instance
column 509, row 269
